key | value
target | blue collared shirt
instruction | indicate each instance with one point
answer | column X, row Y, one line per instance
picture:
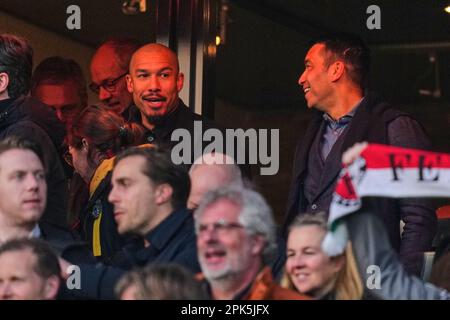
column 333, row 130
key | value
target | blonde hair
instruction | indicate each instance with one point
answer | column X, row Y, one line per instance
column 348, row 285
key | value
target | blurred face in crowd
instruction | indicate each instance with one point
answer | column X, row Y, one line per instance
column 155, row 82
column 23, row 188
column 224, row 247
column 134, row 196
column 316, row 80
column 108, row 80
column 205, row 178
column 64, row 98
column 80, row 162
column 19, row 280
column 130, row 293
column 309, row 268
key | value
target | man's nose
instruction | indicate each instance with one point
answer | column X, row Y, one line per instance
column 60, row 115
column 301, row 80
column 32, row 182
column 5, row 291
column 104, row 94
column 112, row 197
column 154, row 84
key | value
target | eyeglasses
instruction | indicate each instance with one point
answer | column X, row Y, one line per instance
column 68, row 158
column 109, row 85
column 221, row 227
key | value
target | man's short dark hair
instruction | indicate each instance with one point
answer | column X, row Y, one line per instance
column 47, row 263
column 160, row 169
column 165, row 281
column 57, row 70
column 14, row 142
column 16, row 60
column 352, row 50
column 123, row 48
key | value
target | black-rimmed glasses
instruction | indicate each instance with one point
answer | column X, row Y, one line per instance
column 109, row 84
column 221, row 227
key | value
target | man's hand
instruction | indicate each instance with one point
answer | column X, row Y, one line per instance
column 351, row 154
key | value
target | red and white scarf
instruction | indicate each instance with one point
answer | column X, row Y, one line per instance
column 384, row 171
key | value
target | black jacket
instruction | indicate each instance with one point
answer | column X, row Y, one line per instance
column 173, row 240
column 183, row 118
column 25, row 117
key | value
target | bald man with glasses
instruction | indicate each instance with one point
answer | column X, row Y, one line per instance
column 109, row 65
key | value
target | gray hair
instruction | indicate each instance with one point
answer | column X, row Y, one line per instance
column 223, row 162
column 256, row 215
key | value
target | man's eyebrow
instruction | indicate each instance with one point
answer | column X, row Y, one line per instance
column 161, row 70
column 122, row 179
column 166, row 69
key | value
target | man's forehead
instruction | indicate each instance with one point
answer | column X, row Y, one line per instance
column 221, row 209
column 105, row 63
column 316, row 50
column 18, row 159
column 24, row 255
column 153, row 58
column 58, row 91
column 128, row 167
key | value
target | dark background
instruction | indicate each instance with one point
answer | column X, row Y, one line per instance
column 258, row 66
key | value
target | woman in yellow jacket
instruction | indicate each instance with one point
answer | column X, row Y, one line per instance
column 94, row 139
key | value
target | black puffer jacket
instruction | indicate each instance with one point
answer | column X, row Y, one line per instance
column 27, row 118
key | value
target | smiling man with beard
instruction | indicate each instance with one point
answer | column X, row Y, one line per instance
column 155, row 81
column 235, row 243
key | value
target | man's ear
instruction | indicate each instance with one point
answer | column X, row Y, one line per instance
column 180, row 81
column 4, row 83
column 84, row 144
column 336, row 70
column 258, row 244
column 163, row 193
column 129, row 83
column 51, row 287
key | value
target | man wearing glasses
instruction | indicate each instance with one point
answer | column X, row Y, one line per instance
column 109, row 65
column 235, row 243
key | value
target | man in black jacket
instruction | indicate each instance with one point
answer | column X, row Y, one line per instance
column 26, row 118
column 155, row 81
column 149, row 195
column 334, row 83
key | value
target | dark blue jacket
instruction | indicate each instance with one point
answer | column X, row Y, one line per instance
column 173, row 240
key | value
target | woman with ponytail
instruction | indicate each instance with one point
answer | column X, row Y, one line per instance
column 94, row 139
